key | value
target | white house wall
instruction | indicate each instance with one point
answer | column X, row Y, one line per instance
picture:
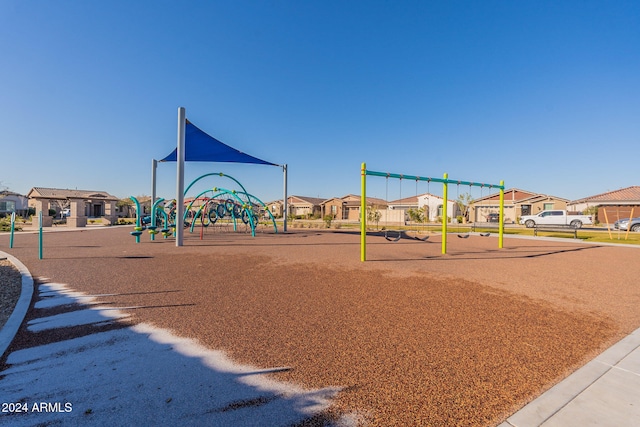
column 20, row 202
column 433, row 203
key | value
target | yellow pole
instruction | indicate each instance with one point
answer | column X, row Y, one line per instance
column 607, row 219
column 444, row 214
column 363, row 212
column 629, row 227
column 501, row 217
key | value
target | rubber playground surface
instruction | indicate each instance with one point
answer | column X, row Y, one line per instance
column 465, row 338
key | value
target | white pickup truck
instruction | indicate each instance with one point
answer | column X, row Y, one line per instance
column 555, row 217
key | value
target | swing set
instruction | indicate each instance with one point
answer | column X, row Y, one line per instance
column 400, row 233
column 465, row 213
column 445, row 183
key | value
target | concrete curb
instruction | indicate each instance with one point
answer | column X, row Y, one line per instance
column 10, row 329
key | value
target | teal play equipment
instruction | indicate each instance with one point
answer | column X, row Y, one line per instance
column 218, row 206
column 137, row 230
column 159, row 221
column 226, row 206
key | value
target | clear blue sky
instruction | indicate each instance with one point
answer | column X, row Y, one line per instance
column 542, row 94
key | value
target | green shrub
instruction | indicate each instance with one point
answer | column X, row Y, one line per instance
column 5, row 224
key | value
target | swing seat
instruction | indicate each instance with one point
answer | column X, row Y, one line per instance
column 485, row 234
column 422, row 239
column 392, row 239
column 463, row 236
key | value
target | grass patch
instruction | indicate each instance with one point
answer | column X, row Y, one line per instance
column 585, row 234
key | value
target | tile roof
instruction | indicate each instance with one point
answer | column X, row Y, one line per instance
column 60, row 193
column 411, row 200
column 353, row 200
column 315, row 201
column 510, row 194
column 10, row 193
column 622, row 195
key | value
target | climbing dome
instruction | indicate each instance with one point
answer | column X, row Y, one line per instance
column 225, row 209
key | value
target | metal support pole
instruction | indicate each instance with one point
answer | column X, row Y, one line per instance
column 40, row 236
column 180, row 177
column 285, row 206
column 13, row 225
column 501, row 217
column 363, row 212
column 445, row 219
column 154, row 166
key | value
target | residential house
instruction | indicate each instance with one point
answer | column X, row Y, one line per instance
column 347, row 208
column 393, row 212
column 298, row 206
column 431, row 204
column 275, row 207
column 82, row 204
column 13, row 202
column 516, row 203
column 612, row 205
column 304, row 207
column 334, row 207
column 351, row 206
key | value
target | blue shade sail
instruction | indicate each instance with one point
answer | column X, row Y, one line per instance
column 200, row 147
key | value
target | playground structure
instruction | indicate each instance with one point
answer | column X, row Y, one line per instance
column 445, row 182
column 223, row 207
column 194, row 145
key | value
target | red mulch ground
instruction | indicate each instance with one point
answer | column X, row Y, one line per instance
column 413, row 336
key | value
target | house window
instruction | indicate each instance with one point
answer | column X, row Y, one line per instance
column 334, row 209
column 440, row 211
column 8, row 206
column 548, row 206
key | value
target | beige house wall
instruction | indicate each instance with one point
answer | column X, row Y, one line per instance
column 302, row 210
column 42, row 207
column 515, row 203
column 393, row 217
column 333, row 207
column 539, row 206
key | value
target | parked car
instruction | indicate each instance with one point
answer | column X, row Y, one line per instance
column 555, row 217
column 493, row 217
column 624, row 224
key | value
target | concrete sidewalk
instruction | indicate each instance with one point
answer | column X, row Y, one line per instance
column 604, row 392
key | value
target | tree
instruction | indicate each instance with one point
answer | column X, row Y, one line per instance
column 373, row 215
column 464, row 201
column 417, row 215
column 125, row 205
column 593, row 211
column 60, row 205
